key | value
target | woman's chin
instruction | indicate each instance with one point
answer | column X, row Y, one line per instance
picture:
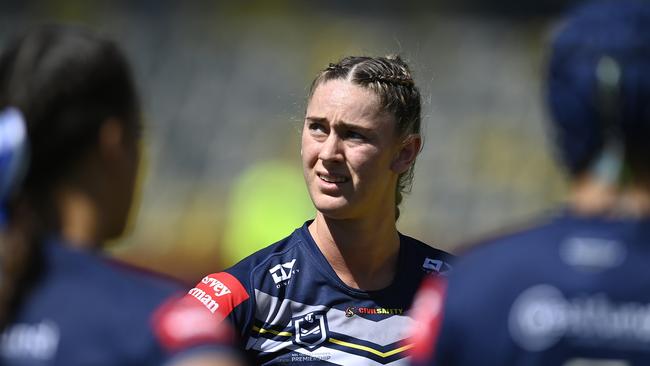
column 333, row 210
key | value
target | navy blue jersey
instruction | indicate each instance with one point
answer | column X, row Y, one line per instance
column 289, row 305
column 85, row 310
column 571, row 291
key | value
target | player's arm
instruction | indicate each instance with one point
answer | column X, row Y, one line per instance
column 428, row 311
column 192, row 332
column 225, row 297
column 209, row 360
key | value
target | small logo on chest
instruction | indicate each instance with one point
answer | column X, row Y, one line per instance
column 281, row 273
column 352, row 311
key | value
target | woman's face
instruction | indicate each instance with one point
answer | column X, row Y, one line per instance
column 349, row 152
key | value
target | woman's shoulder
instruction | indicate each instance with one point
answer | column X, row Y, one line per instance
column 425, row 256
column 98, row 280
column 88, row 302
column 417, row 246
column 140, row 279
column 281, row 248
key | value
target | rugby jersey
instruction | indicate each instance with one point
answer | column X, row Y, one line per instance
column 289, row 305
column 570, row 291
column 87, row 310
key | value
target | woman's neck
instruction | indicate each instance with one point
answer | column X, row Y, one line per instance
column 362, row 252
column 588, row 196
column 78, row 219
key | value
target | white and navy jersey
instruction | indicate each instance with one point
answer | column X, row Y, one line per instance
column 572, row 291
column 290, row 306
column 86, row 310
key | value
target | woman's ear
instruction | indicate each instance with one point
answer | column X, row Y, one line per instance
column 407, row 153
column 111, row 139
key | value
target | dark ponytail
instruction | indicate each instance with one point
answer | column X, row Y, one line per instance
column 65, row 82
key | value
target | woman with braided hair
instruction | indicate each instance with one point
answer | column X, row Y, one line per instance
column 337, row 289
column 69, row 135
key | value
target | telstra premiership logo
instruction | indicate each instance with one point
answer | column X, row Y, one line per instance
column 282, row 272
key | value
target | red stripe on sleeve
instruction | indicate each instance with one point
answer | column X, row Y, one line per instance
column 198, row 317
column 428, row 311
column 182, row 323
column 220, row 293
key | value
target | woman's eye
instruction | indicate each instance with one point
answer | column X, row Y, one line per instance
column 317, row 127
column 355, row 136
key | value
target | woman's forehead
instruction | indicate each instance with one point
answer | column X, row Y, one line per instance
column 341, row 99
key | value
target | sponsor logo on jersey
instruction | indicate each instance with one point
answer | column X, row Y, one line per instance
column 206, row 299
column 310, row 330
column 351, row 311
column 592, row 254
column 219, row 288
column 281, row 273
column 542, row 315
column 219, row 292
column 30, row 341
column 437, row 266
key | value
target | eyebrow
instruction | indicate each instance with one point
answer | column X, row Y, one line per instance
column 347, row 125
column 316, row 119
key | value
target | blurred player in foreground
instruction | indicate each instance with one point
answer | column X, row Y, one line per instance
column 69, row 134
column 336, row 290
column 573, row 290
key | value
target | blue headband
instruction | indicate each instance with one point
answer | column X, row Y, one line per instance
column 13, row 155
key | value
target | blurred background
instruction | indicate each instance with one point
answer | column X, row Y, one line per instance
column 223, row 85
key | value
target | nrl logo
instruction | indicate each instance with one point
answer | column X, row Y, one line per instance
column 310, row 330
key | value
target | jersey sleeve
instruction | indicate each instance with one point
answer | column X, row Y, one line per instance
column 201, row 322
column 181, row 324
column 225, row 298
column 428, row 312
